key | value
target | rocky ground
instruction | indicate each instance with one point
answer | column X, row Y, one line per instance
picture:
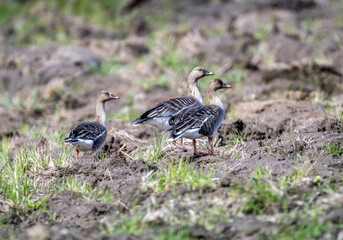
column 278, row 169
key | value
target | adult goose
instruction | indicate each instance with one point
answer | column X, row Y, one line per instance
column 161, row 114
column 91, row 136
column 203, row 121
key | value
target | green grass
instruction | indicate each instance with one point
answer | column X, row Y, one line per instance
column 215, row 31
column 262, row 194
column 172, row 59
column 235, row 139
column 263, row 30
column 322, row 59
column 306, row 225
column 7, row 101
column 288, row 27
column 312, row 31
column 110, row 66
column 297, row 149
column 125, row 114
column 21, row 179
column 150, row 82
column 104, row 12
column 154, row 152
column 78, row 88
column 8, row 10
column 33, row 30
column 171, row 234
column 76, row 184
column 334, row 148
column 177, row 175
column 132, row 225
column 296, row 176
column 15, row 182
column 260, row 53
column 136, row 225
column 237, row 77
column 42, row 22
column 236, row 145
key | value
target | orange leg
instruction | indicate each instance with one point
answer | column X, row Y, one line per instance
column 77, row 154
column 181, row 141
column 210, row 141
column 195, row 149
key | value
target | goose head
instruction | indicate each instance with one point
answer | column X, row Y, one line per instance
column 197, row 73
column 104, row 96
column 217, row 84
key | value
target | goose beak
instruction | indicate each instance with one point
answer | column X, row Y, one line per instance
column 226, row 85
column 207, row 73
column 113, row 96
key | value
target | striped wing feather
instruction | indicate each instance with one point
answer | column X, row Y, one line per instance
column 204, row 118
column 183, row 114
column 86, row 131
column 167, row 108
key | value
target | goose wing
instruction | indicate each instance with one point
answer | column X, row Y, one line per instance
column 167, row 108
column 183, row 114
column 87, row 131
column 203, row 120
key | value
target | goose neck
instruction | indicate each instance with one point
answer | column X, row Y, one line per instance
column 101, row 113
column 193, row 91
column 214, row 99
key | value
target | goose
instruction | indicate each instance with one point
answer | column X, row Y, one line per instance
column 161, row 114
column 202, row 121
column 91, row 136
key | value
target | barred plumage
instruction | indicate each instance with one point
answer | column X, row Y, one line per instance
column 166, row 110
column 161, row 114
column 87, row 136
column 201, row 121
column 91, row 136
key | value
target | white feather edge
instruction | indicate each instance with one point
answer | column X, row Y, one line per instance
column 192, row 133
column 86, row 144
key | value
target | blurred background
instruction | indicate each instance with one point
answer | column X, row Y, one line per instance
column 56, row 55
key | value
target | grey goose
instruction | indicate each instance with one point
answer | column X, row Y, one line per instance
column 91, row 136
column 202, row 121
column 160, row 115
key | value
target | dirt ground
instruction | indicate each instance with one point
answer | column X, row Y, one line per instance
column 284, row 60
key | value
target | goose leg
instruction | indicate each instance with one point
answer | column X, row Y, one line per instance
column 195, row 149
column 77, row 154
column 181, row 141
column 210, row 142
column 97, row 155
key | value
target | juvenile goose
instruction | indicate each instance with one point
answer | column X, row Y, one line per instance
column 203, row 121
column 89, row 136
column 161, row 114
